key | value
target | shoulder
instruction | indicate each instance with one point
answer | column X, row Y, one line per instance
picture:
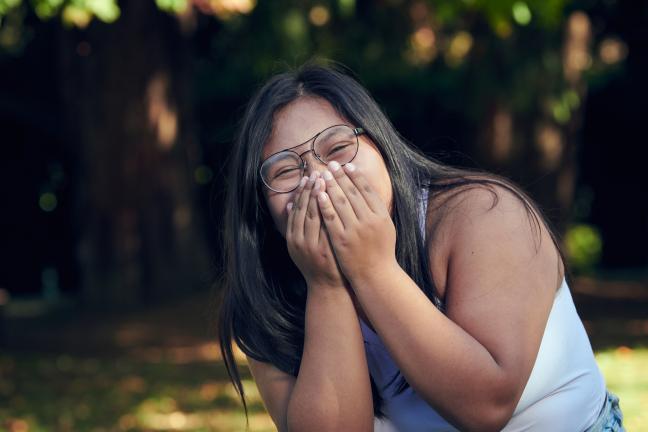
column 477, row 210
column 501, row 274
column 473, row 222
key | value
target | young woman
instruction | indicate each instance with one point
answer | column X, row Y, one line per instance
column 373, row 287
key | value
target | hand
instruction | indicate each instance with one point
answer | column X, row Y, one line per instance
column 307, row 240
column 358, row 222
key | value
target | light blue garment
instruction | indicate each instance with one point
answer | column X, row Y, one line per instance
column 565, row 391
column 610, row 418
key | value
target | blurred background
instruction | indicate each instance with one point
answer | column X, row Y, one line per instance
column 116, row 122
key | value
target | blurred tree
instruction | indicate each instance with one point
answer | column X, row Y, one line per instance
column 512, row 74
column 128, row 90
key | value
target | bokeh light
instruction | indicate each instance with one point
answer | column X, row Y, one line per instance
column 47, row 201
column 319, row 15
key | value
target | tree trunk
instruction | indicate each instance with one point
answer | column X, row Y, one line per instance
column 128, row 99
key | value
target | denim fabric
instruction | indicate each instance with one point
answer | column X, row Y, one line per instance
column 610, row 418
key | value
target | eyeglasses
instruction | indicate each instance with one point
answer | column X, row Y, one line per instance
column 282, row 171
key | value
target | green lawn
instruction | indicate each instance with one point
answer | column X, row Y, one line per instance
column 626, row 374
column 66, row 393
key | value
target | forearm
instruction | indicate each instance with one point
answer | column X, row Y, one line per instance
column 332, row 390
column 449, row 368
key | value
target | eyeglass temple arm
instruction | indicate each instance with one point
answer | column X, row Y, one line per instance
column 358, row 131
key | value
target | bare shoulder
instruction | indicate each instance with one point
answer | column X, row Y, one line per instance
column 487, row 219
column 275, row 388
column 501, row 274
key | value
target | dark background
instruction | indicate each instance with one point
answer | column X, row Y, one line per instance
column 116, row 122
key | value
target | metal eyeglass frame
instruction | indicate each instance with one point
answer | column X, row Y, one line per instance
column 356, row 131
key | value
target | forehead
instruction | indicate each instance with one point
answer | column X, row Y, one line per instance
column 299, row 121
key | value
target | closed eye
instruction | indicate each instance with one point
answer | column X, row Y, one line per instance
column 285, row 171
column 337, row 148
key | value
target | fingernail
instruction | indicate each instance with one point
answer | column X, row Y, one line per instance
column 317, row 186
column 290, row 205
column 328, row 175
column 322, row 196
column 334, row 166
column 302, row 182
column 350, row 167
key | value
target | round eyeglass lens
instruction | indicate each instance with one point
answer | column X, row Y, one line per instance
column 338, row 144
column 282, row 171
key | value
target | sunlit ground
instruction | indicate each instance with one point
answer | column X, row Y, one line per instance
column 626, row 374
column 66, row 393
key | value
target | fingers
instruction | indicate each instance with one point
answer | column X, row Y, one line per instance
column 370, row 196
column 341, row 201
column 344, row 183
column 290, row 223
column 323, row 234
column 312, row 223
column 330, row 217
column 301, row 205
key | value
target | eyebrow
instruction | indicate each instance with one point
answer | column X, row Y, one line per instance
column 309, row 139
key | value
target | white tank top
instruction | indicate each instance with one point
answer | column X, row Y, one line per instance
column 565, row 391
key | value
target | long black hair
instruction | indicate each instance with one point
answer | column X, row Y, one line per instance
column 264, row 294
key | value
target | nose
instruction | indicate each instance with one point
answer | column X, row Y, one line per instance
column 312, row 164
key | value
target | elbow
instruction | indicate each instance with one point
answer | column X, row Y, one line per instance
column 319, row 424
column 495, row 419
column 489, row 419
column 493, row 415
column 317, row 418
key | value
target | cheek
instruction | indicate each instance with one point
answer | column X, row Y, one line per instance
column 377, row 174
column 277, row 206
column 384, row 189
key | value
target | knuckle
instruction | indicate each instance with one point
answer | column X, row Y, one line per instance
column 341, row 200
column 344, row 243
column 329, row 216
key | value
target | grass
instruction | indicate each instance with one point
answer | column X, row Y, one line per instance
column 626, row 374
column 151, row 373
column 70, row 393
column 66, row 393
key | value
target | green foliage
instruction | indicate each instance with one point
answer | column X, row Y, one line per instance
column 46, row 9
column 172, row 6
column 7, row 5
column 584, row 247
column 77, row 13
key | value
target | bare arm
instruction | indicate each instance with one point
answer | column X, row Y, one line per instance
column 332, row 391
column 472, row 364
